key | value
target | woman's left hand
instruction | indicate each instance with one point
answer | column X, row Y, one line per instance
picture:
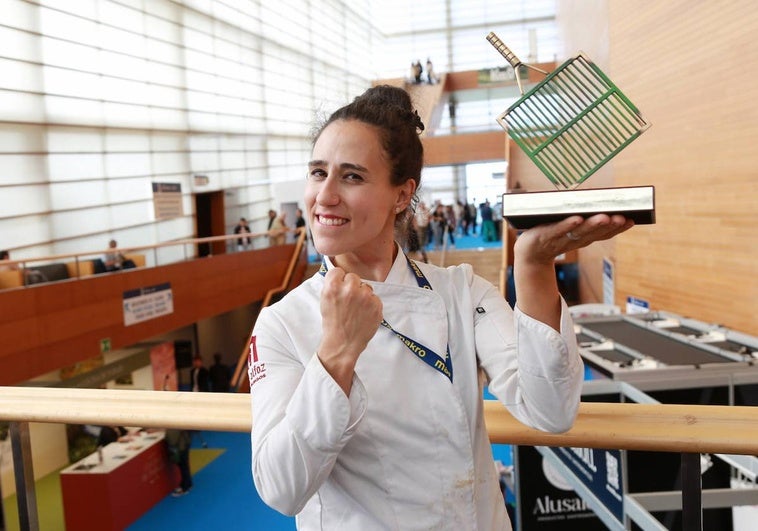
column 541, row 244
column 534, row 259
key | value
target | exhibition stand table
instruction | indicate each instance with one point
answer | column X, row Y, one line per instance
column 111, row 488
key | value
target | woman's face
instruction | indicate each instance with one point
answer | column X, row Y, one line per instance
column 349, row 199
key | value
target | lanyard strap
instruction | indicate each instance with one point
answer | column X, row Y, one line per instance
column 425, row 354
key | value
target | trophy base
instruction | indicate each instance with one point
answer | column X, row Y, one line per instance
column 528, row 209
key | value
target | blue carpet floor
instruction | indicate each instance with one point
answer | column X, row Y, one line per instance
column 223, row 495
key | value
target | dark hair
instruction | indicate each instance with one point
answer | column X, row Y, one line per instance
column 5, row 255
column 390, row 110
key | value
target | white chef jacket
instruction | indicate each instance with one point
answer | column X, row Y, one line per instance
column 407, row 449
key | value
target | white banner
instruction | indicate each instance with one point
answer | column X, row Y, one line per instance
column 147, row 303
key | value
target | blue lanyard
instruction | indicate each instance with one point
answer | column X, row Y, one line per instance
column 427, row 355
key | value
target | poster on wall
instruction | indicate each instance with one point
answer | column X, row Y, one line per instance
column 164, row 367
column 167, row 200
column 147, row 303
column 545, row 501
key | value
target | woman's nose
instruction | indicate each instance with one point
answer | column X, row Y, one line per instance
column 327, row 192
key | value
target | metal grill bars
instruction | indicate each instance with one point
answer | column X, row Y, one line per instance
column 573, row 122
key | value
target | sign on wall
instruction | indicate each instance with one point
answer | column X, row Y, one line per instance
column 167, row 200
column 147, row 303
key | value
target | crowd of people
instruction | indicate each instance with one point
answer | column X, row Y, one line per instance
column 433, row 224
column 276, row 230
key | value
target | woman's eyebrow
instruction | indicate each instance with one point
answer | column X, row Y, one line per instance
column 344, row 165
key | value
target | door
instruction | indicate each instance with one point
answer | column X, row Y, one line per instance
column 209, row 221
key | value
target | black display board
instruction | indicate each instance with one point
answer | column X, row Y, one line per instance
column 544, row 500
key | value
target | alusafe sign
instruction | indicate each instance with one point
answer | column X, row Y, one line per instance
column 546, row 502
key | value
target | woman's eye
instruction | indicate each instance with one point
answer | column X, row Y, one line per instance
column 316, row 174
column 353, row 177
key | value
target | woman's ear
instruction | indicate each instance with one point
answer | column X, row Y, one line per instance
column 406, row 191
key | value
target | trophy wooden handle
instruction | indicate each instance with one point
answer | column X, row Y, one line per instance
column 504, row 50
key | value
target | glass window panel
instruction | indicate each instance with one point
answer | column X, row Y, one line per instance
column 23, row 200
column 163, row 74
column 168, row 119
column 129, row 215
column 69, row 224
column 55, row 23
column 19, row 44
column 126, row 190
column 64, row 82
column 20, row 76
column 122, row 65
column 83, row 8
column 21, row 169
column 75, row 166
column 72, row 111
column 26, row 231
column 15, row 138
column 127, row 164
column 67, row 54
column 126, row 141
column 169, row 163
column 121, row 41
column 73, row 139
column 71, row 195
column 121, row 16
column 125, row 90
column 123, row 115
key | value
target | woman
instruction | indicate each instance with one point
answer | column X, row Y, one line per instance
column 277, row 232
column 366, row 396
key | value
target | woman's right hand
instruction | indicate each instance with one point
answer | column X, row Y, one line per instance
column 351, row 315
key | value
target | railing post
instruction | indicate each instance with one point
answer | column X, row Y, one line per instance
column 692, row 502
column 24, row 473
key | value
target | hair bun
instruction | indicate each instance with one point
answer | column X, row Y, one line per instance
column 417, row 121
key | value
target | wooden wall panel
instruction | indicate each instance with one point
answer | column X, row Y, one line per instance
column 691, row 68
column 462, row 149
column 49, row 326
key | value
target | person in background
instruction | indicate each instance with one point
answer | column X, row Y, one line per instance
column 472, row 214
column 421, row 219
column 488, row 224
column 109, row 434
column 366, row 380
column 219, row 375
column 431, row 77
column 271, row 218
column 5, row 255
column 199, row 375
column 200, row 382
column 300, row 222
column 115, row 260
column 242, row 228
column 277, row 232
column 30, row 276
column 178, row 443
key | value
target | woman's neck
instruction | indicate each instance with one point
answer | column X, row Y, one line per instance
column 369, row 266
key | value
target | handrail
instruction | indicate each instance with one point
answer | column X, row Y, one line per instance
column 125, row 250
column 286, row 279
column 646, row 427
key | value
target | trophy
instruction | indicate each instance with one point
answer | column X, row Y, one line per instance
column 569, row 125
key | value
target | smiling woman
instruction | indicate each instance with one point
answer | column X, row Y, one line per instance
column 367, row 391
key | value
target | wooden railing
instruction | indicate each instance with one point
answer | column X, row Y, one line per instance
column 687, row 429
column 648, row 427
column 188, row 251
